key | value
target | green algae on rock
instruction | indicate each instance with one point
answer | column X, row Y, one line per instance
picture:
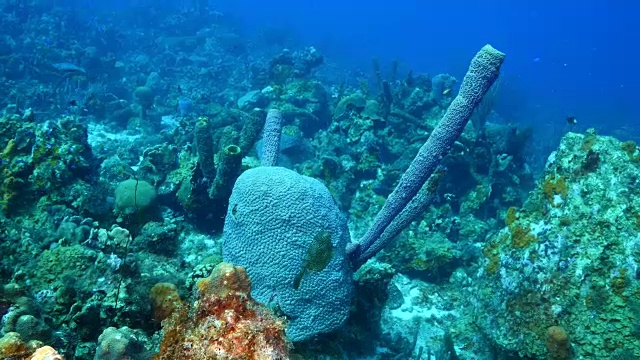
column 578, row 275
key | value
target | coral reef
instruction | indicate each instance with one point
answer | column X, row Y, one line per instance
column 562, row 269
column 483, row 71
column 123, row 134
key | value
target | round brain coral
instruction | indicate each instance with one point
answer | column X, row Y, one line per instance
column 279, row 225
column 133, row 196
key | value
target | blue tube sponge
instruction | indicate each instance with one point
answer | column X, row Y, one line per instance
column 287, row 232
column 271, row 138
column 482, row 73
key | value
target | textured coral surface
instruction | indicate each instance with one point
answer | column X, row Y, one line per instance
column 223, row 323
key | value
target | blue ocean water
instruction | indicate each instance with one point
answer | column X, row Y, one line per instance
column 564, row 57
column 569, row 58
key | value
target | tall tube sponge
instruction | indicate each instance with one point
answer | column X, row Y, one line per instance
column 482, row 73
column 271, row 138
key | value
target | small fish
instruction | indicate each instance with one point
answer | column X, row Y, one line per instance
column 571, row 120
column 319, row 255
column 446, row 91
column 69, row 68
column 73, row 102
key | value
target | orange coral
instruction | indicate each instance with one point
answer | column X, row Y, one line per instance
column 46, row 353
column 224, row 323
column 225, row 279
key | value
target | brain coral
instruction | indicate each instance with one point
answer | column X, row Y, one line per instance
column 134, row 195
column 274, row 215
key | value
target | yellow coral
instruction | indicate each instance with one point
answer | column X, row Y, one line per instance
column 521, row 237
column 46, row 353
column 511, row 216
column 8, row 149
column 164, row 300
column 555, row 186
column 619, row 282
column 492, row 252
column 631, row 149
column 12, row 346
column 589, row 141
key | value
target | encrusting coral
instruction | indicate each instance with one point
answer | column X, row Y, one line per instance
column 46, row 353
column 223, row 323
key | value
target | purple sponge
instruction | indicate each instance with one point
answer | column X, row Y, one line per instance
column 482, row 73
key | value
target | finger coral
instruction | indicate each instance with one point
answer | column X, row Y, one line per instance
column 223, row 323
